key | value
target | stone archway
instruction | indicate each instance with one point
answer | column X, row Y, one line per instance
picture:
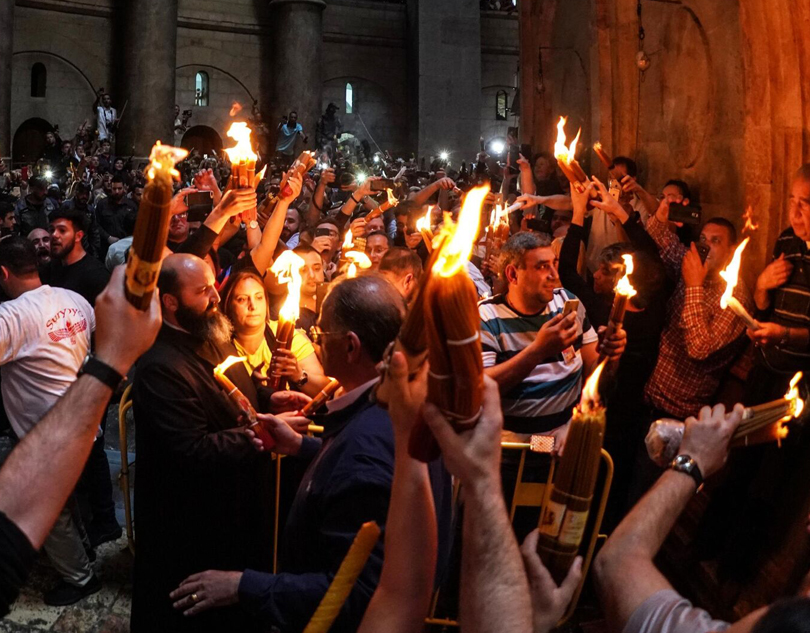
column 29, row 141
column 202, row 138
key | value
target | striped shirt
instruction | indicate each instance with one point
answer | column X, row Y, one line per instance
column 543, row 401
column 790, row 305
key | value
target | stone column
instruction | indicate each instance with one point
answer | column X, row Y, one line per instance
column 295, row 76
column 150, row 58
column 6, row 50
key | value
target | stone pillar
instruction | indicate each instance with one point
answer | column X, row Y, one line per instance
column 148, row 86
column 295, row 76
column 6, row 50
column 448, row 76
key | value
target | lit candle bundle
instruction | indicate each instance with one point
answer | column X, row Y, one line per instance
column 452, row 326
column 565, row 513
column 242, row 156
column 341, row 585
column 348, row 243
column 241, row 401
column 423, row 226
column 304, row 162
column 624, row 290
column 318, row 401
column 761, row 423
column 390, row 203
column 731, row 275
column 287, row 269
column 356, row 260
column 152, row 226
column 566, row 157
column 497, row 230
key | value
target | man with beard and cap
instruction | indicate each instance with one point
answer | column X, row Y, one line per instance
column 204, row 493
column 41, row 240
column 71, row 267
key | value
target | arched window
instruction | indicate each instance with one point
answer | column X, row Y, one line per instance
column 349, row 99
column 501, row 105
column 201, row 89
column 39, row 80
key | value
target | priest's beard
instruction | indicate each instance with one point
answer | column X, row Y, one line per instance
column 210, row 325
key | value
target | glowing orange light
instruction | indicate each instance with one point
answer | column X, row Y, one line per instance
column 258, row 178
column 750, row 223
column 562, row 152
column 225, row 364
column 357, row 259
column 392, row 199
column 624, row 287
column 242, row 151
column 423, row 223
column 348, row 242
column 457, row 248
column 236, row 108
column 163, row 158
column 732, row 273
column 590, row 392
column 287, row 269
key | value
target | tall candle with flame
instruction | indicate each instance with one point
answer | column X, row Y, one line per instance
column 624, row 291
column 241, row 401
column 423, row 226
column 304, row 162
column 242, row 156
column 287, row 269
column 152, row 226
column 566, row 157
column 731, row 275
column 565, row 514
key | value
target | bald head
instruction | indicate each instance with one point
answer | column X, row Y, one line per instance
column 186, row 285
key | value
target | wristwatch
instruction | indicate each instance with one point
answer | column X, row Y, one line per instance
column 685, row 464
column 253, row 224
column 304, row 380
column 92, row 366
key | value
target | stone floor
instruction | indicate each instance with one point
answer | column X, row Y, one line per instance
column 104, row 612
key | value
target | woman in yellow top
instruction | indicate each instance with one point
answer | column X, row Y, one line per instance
column 245, row 305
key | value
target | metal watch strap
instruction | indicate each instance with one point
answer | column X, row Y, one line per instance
column 685, row 464
column 100, row 370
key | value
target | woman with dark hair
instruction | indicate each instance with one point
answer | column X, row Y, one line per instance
column 245, row 304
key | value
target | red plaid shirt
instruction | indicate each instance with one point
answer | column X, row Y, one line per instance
column 700, row 340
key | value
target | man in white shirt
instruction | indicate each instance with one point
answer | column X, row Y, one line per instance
column 107, row 119
column 44, row 338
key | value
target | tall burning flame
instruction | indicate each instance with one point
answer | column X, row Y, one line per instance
column 423, row 223
column 242, row 151
column 163, row 158
column 348, row 242
column 590, row 392
column 731, row 274
column 624, row 287
column 562, row 152
column 457, row 249
column 392, row 199
column 357, row 259
column 228, row 362
column 287, row 269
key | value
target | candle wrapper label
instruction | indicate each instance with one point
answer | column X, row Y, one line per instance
column 141, row 276
column 573, row 528
column 569, row 355
column 552, row 519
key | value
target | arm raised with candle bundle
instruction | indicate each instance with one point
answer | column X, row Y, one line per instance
column 262, row 254
column 315, row 209
column 420, row 198
column 402, row 598
column 669, row 247
column 233, row 203
column 569, row 253
column 625, row 573
column 558, row 202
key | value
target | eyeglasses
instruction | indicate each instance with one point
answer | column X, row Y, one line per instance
column 316, row 334
column 180, row 216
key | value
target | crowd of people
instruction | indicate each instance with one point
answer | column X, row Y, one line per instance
column 204, row 491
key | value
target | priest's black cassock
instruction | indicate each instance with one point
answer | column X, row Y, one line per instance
column 203, row 493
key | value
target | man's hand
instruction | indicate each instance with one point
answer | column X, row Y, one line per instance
column 204, row 180
column 693, row 270
column 295, row 421
column 549, row 601
column 284, row 401
column 123, row 332
column 284, row 363
column 445, row 183
column 775, row 274
column 413, row 240
column 358, row 227
column 523, row 162
column 295, row 182
column 706, row 438
column 405, row 397
column 178, row 204
column 322, row 243
column 288, row 441
column 236, row 202
column 327, row 177
column 630, row 184
column 472, row 456
column 529, row 200
column 609, row 204
column 207, row 590
column 662, row 213
column 768, row 334
column 614, row 346
column 557, row 334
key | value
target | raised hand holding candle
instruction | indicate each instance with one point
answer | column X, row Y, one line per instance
column 287, row 269
column 624, row 291
column 241, row 401
column 566, row 157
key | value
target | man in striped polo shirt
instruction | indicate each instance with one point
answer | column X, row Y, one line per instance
column 782, row 295
column 538, row 356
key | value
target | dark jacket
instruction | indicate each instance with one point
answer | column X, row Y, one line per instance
column 32, row 215
column 110, row 216
column 347, row 484
column 203, row 498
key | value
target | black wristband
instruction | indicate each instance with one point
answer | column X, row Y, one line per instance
column 355, row 200
column 92, row 366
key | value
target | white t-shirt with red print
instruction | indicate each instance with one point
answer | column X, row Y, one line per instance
column 44, row 338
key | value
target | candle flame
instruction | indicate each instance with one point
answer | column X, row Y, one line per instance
column 793, row 396
column 357, row 259
column 750, row 223
column 457, row 248
column 732, row 273
column 231, row 360
column 236, row 108
column 163, row 158
column 349, row 241
column 562, row 152
column 423, row 223
column 287, row 269
column 590, row 392
column 392, row 199
column 242, row 151
column 597, row 146
column 624, row 287
column 258, row 177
